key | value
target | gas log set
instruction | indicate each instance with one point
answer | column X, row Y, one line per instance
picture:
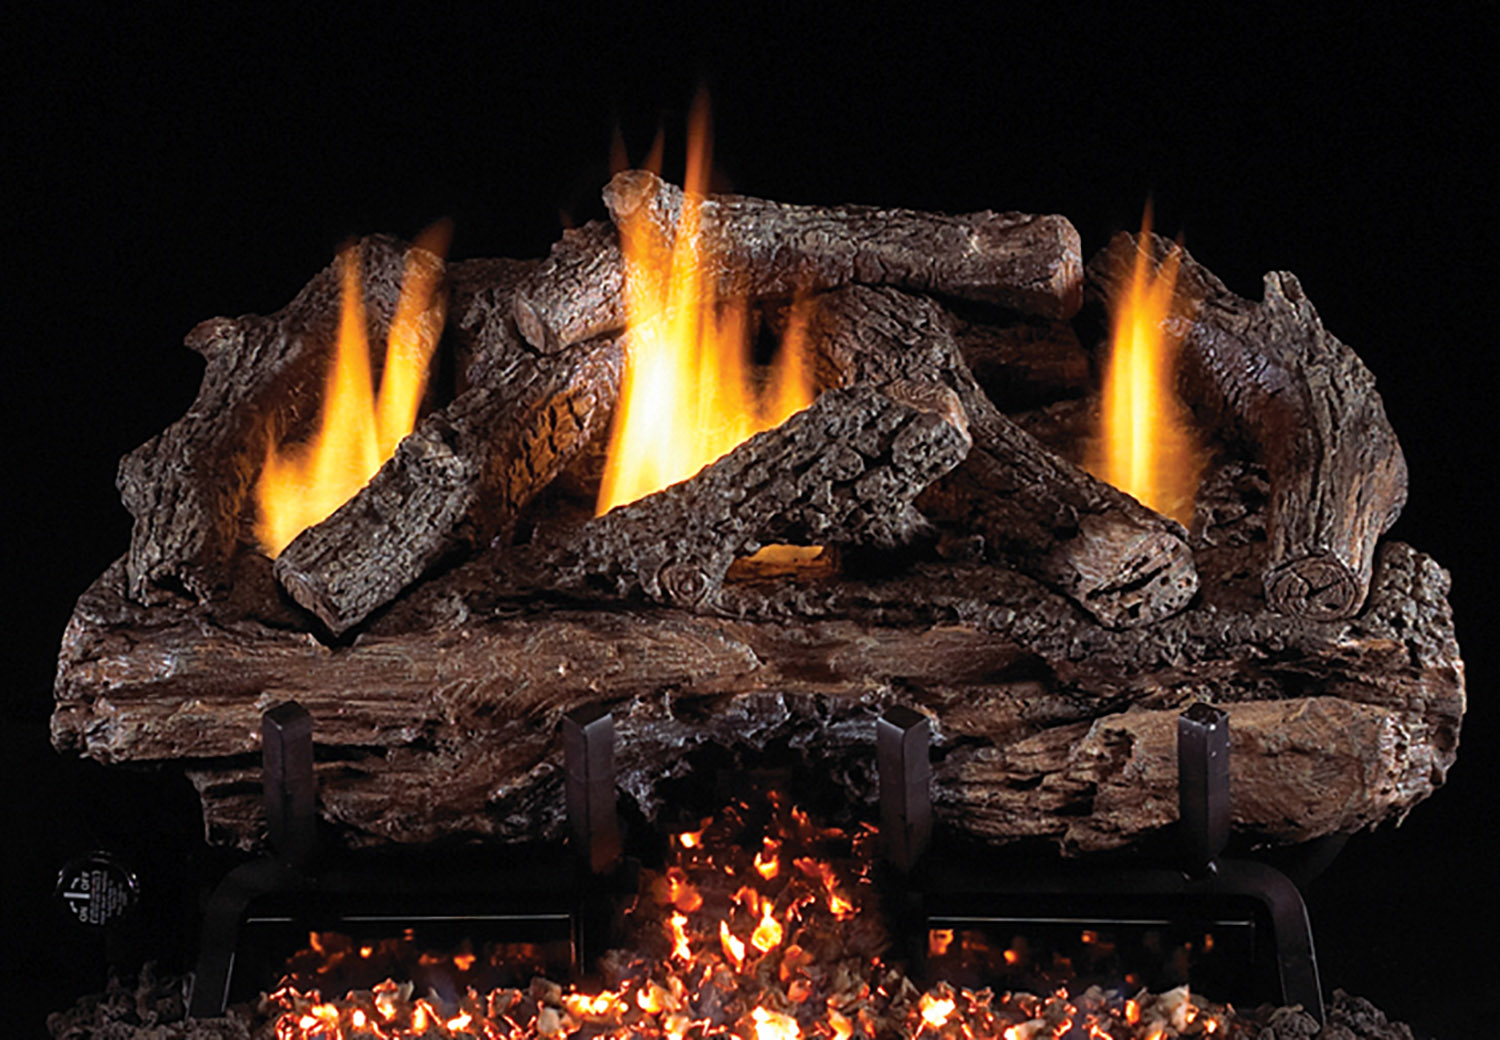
column 894, row 527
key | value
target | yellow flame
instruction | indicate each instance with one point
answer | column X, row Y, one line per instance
column 689, row 394
column 301, row 485
column 1147, row 448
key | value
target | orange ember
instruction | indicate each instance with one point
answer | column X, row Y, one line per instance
column 690, row 393
column 810, row 968
column 358, row 429
column 1147, row 445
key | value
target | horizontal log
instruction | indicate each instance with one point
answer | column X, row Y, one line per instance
column 843, row 471
column 1038, row 513
column 751, row 248
column 439, row 720
column 577, row 293
column 1272, row 375
column 187, row 487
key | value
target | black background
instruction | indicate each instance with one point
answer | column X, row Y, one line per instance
column 169, row 167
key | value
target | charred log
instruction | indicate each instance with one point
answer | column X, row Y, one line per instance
column 843, row 471
column 577, row 293
column 756, row 248
column 1026, row 364
column 439, row 720
column 1271, row 374
column 459, row 480
column 187, row 487
column 1039, row 514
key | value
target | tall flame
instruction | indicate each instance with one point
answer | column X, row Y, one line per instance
column 689, row 393
column 1147, row 448
column 301, row 485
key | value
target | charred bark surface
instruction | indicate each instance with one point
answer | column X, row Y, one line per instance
column 1271, row 374
column 1039, row 514
column 187, row 487
column 577, row 293
column 752, row 248
column 459, row 480
column 440, row 720
column 843, row 471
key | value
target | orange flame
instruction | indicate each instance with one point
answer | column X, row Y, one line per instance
column 688, row 394
column 302, row 485
column 1148, row 450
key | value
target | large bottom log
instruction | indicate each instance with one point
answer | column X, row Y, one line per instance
column 440, row 721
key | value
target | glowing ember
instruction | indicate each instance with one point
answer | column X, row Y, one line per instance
column 812, row 967
column 358, row 430
column 766, row 863
column 935, row 1010
column 768, row 933
column 771, row 1026
column 689, row 393
column 1148, row 449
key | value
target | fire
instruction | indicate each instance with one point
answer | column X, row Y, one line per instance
column 806, row 971
column 689, row 393
column 1148, row 449
column 734, row 949
column 358, row 429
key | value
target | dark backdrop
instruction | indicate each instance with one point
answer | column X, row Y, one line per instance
column 167, row 168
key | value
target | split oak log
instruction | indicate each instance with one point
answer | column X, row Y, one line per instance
column 1271, row 374
column 1123, row 563
column 187, row 487
column 439, row 720
column 754, row 248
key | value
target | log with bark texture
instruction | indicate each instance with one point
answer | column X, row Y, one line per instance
column 1038, row 513
column 755, row 248
column 1024, row 365
column 456, row 482
column 440, row 720
column 577, row 293
column 462, row 476
column 187, row 487
column 1272, row 374
column 842, row 471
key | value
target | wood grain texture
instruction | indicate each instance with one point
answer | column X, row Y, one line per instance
column 187, row 488
column 439, row 721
